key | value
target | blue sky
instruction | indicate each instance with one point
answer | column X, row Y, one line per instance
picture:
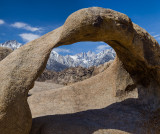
column 25, row 20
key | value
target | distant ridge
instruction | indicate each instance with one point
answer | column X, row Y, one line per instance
column 57, row 62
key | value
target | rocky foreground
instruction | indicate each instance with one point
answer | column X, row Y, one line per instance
column 122, row 99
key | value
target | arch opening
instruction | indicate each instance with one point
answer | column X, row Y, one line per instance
column 84, row 54
column 76, row 62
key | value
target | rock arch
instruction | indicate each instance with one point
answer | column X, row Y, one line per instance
column 136, row 49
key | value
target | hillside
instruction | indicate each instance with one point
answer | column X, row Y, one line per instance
column 72, row 74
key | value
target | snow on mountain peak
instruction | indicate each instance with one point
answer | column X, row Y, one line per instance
column 58, row 62
column 83, row 59
column 13, row 44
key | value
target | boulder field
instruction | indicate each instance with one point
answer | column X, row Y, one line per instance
column 125, row 98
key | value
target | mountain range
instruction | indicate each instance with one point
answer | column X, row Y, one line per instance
column 59, row 62
column 13, row 44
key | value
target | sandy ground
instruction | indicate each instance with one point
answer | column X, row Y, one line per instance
column 43, row 86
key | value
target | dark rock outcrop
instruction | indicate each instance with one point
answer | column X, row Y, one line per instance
column 72, row 74
column 67, row 76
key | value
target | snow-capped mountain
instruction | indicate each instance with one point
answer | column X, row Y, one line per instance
column 13, row 44
column 82, row 59
column 58, row 62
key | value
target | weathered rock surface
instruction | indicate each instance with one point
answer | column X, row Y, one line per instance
column 101, row 68
column 139, row 55
column 4, row 52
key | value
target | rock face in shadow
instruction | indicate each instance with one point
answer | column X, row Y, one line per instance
column 112, row 119
column 139, row 57
column 4, row 52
